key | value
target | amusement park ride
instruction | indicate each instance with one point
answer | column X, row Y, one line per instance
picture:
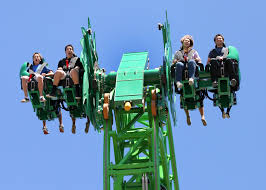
column 141, row 103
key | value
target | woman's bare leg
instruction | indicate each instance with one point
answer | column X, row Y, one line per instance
column 201, row 110
column 61, row 126
column 45, row 130
column 73, row 125
column 25, row 85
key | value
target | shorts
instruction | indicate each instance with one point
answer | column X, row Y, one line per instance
column 65, row 74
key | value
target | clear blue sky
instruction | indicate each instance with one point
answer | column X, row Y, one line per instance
column 227, row 154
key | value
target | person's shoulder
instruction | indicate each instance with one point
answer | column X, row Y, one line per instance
column 194, row 51
column 212, row 53
column 213, row 49
column 61, row 61
column 75, row 57
column 178, row 52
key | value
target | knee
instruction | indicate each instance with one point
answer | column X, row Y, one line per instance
column 24, row 78
column 74, row 71
column 179, row 65
column 59, row 72
column 39, row 78
column 192, row 62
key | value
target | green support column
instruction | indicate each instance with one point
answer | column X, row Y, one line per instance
column 155, row 155
column 172, row 153
column 106, row 159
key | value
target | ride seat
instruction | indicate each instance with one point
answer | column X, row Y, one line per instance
column 66, row 82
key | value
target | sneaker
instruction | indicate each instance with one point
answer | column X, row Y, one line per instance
column 73, row 129
column 179, row 84
column 191, row 81
column 87, row 127
column 188, row 121
column 45, row 130
column 233, row 82
column 42, row 99
column 25, row 100
column 51, row 95
column 215, row 84
column 61, row 128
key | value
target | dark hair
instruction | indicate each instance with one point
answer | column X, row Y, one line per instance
column 40, row 57
column 217, row 36
column 38, row 54
column 69, row 45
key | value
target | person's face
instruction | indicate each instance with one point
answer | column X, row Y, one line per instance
column 36, row 59
column 186, row 43
column 69, row 52
column 219, row 41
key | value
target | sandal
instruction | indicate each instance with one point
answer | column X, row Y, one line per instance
column 61, row 128
column 204, row 122
column 25, row 100
column 42, row 99
column 87, row 127
column 227, row 115
column 188, row 121
column 45, row 131
column 74, row 129
column 224, row 115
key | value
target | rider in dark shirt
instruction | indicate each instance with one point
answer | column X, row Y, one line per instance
column 219, row 52
column 72, row 65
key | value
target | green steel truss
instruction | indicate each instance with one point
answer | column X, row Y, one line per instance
column 143, row 149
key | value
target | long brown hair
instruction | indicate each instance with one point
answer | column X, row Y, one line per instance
column 38, row 54
column 187, row 37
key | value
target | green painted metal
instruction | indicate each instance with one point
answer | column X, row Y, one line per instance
column 142, row 138
column 140, row 148
column 233, row 53
column 44, row 110
column 188, row 90
column 23, row 70
column 130, row 77
column 69, row 95
column 223, row 96
column 167, row 88
column 151, row 77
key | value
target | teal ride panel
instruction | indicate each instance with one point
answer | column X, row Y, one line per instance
column 233, row 53
column 130, row 78
column 23, row 70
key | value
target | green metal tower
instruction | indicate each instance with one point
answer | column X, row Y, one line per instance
column 137, row 101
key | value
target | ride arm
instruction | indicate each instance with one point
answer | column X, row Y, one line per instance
column 167, row 59
column 23, row 69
